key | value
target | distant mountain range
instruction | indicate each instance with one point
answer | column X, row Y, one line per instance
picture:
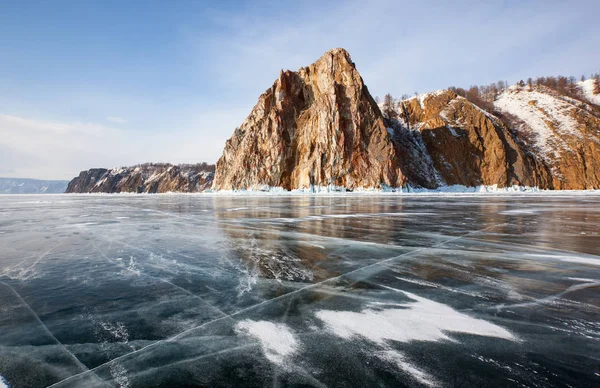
column 319, row 128
column 31, row 186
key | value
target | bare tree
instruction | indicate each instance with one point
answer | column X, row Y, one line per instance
column 388, row 106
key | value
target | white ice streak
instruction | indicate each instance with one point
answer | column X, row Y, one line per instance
column 276, row 339
column 439, row 286
column 568, row 258
column 423, row 320
column 119, row 375
column 582, row 260
column 3, row 383
column 399, row 360
column 585, row 280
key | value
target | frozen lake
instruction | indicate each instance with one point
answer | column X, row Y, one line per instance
column 323, row 291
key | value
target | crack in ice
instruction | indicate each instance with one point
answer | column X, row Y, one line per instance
column 250, row 308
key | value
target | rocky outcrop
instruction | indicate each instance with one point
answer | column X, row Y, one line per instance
column 319, row 127
column 562, row 132
column 145, row 178
column 315, row 127
column 446, row 140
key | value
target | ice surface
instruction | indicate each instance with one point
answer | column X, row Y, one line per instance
column 424, row 289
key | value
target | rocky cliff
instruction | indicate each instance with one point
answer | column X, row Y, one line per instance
column 316, row 127
column 319, row 127
column 145, row 178
column 443, row 139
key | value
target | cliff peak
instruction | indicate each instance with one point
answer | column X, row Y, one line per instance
column 315, row 127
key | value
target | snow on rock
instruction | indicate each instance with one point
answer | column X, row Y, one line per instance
column 564, row 134
column 444, row 139
column 145, row 178
column 276, row 339
column 587, row 87
column 3, row 383
column 549, row 117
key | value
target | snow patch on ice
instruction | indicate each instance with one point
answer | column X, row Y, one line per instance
column 398, row 360
column 419, row 320
column 423, row 320
column 276, row 339
column 3, row 383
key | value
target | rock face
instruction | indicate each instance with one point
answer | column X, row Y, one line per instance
column 320, row 127
column 443, row 139
column 145, row 178
column 315, row 127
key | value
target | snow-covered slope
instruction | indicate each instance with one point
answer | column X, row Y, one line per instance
column 549, row 118
column 588, row 87
column 562, row 132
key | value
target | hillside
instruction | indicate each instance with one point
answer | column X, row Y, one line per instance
column 444, row 139
column 563, row 133
column 318, row 129
column 144, row 178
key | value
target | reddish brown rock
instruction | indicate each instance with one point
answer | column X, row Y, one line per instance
column 318, row 126
column 463, row 145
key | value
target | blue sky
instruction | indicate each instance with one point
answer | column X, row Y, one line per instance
column 109, row 83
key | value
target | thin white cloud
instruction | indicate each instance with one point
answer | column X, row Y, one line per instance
column 44, row 149
column 400, row 47
column 116, row 119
